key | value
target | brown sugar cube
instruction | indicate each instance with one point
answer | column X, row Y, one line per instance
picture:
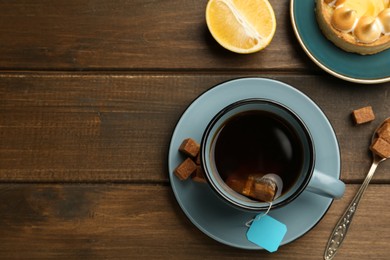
column 198, row 175
column 363, row 115
column 384, row 132
column 236, row 182
column 248, row 188
column 381, row 148
column 197, row 160
column 185, row 169
column 189, row 147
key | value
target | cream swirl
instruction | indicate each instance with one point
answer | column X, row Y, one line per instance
column 344, row 19
column 365, row 27
column 384, row 18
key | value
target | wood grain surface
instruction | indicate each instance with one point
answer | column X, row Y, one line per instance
column 145, row 222
column 101, row 127
column 132, row 34
column 90, row 92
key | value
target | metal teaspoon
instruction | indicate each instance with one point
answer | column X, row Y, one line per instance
column 342, row 226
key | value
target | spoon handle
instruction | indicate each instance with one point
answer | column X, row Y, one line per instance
column 342, row 226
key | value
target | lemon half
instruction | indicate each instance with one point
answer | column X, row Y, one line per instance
column 241, row 26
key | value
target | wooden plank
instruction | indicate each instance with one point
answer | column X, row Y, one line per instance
column 117, row 127
column 145, row 222
column 130, row 34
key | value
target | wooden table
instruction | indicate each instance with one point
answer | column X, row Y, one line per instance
column 90, row 94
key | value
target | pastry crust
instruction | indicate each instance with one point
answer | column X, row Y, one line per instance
column 346, row 40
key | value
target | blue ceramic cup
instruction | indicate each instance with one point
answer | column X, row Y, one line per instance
column 307, row 179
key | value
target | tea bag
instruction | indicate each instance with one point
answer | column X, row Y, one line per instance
column 267, row 232
column 264, row 230
column 265, row 188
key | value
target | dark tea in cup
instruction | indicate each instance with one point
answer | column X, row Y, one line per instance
column 252, row 144
column 257, row 151
column 262, row 145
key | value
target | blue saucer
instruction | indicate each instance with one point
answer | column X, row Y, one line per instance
column 353, row 67
column 208, row 212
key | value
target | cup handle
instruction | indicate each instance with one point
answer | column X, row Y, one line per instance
column 326, row 186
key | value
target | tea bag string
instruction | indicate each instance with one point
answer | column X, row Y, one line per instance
column 249, row 222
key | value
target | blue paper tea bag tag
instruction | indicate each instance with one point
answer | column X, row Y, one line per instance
column 267, row 232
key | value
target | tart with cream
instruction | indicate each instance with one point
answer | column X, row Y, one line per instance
column 360, row 26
